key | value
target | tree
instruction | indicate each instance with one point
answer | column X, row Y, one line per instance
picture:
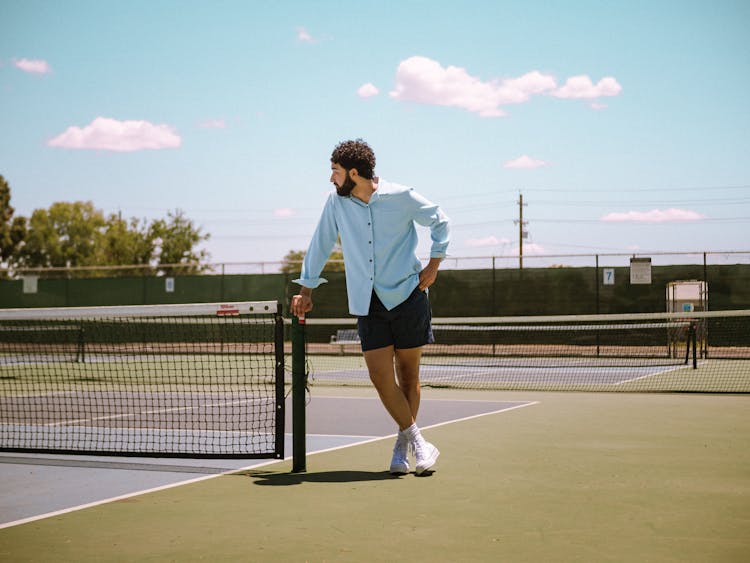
column 292, row 262
column 66, row 235
column 6, row 215
column 77, row 234
column 175, row 240
column 126, row 242
column 12, row 230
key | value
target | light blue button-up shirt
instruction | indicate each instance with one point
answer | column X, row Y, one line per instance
column 379, row 241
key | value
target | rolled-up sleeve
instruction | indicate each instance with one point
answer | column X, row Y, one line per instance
column 430, row 215
column 322, row 243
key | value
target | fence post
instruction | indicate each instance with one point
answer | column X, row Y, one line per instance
column 494, row 284
column 597, row 282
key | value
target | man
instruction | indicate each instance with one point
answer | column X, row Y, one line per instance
column 385, row 281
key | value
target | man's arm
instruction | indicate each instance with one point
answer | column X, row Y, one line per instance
column 430, row 215
column 428, row 275
column 322, row 243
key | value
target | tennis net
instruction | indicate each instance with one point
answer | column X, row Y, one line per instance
column 196, row 380
column 700, row 352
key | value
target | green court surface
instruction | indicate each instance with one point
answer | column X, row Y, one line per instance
column 551, row 374
column 576, row 477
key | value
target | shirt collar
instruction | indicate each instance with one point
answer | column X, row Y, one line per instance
column 373, row 198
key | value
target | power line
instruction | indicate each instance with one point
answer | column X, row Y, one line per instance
column 564, row 190
column 645, row 222
column 712, row 201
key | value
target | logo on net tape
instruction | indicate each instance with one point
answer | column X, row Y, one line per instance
column 227, row 310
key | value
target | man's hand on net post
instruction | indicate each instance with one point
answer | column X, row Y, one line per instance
column 301, row 304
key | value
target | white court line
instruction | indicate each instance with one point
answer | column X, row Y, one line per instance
column 430, row 399
column 134, row 494
column 379, row 438
column 654, row 374
column 162, row 411
column 343, row 436
column 230, row 471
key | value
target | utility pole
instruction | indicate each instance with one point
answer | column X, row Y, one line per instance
column 522, row 232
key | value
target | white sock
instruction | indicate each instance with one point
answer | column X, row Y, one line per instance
column 412, row 433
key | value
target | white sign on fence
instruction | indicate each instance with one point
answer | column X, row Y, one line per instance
column 30, row 284
column 640, row 270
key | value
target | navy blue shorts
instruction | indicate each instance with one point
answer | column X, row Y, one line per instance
column 408, row 325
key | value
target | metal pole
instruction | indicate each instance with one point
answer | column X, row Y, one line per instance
column 222, row 282
column 704, row 322
column 299, row 384
column 280, row 395
column 694, row 340
column 494, row 304
column 520, row 231
column 598, row 281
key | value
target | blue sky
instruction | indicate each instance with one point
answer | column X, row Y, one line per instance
column 625, row 125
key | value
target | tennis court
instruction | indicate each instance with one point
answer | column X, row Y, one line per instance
column 575, row 477
column 333, row 421
column 204, row 412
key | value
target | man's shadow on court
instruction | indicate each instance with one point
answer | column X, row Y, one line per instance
column 339, row 476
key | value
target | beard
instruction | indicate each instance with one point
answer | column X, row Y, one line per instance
column 346, row 188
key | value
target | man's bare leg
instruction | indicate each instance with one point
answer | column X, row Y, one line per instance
column 407, row 371
column 380, row 365
column 407, row 374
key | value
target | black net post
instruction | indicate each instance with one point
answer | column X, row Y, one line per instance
column 694, row 341
column 81, row 349
column 280, row 398
column 299, row 463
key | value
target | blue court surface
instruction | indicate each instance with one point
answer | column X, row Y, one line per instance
column 35, row 486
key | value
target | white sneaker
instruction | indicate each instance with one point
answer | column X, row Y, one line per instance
column 425, row 453
column 399, row 462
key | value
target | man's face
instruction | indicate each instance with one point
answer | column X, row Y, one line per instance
column 340, row 178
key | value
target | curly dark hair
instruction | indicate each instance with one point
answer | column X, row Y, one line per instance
column 355, row 154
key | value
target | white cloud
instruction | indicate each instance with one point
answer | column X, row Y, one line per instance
column 422, row 80
column 486, row 241
column 519, row 90
column 425, row 81
column 304, row 36
column 121, row 136
column 525, row 161
column 367, row 90
column 581, row 87
column 284, row 212
column 654, row 216
column 33, row 66
column 213, row 124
